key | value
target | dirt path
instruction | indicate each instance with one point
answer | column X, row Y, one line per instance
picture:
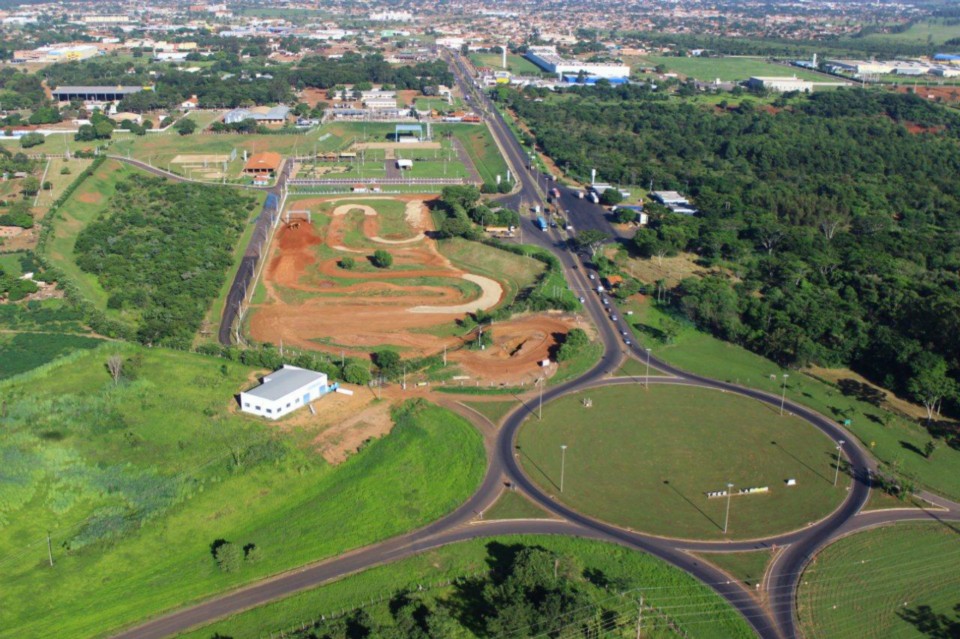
column 490, row 296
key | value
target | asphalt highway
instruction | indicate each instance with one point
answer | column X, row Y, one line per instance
column 772, row 619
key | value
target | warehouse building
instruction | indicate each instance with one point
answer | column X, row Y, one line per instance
column 780, row 83
column 284, row 391
column 94, row 93
column 550, row 61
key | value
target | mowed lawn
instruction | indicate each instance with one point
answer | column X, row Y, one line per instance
column 646, row 459
column 516, row 64
column 888, row 582
column 134, row 482
column 88, row 202
column 729, row 68
column 677, row 596
column 480, row 146
column 889, row 439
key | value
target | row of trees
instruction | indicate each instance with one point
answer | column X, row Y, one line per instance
column 834, row 225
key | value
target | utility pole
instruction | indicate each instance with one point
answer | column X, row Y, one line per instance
column 563, row 463
column 783, row 396
column 646, row 380
column 726, row 519
column 540, row 409
column 639, row 616
column 836, row 472
column 49, row 550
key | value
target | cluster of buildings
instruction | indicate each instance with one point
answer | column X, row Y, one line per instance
column 941, row 65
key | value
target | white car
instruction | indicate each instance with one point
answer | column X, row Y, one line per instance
column 582, row 300
column 592, row 276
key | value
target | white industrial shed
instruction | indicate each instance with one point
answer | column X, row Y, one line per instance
column 284, row 391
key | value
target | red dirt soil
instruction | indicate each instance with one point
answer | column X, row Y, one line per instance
column 313, row 304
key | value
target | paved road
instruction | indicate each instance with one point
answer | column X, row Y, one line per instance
column 774, row 621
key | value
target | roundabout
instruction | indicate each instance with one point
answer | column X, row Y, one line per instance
column 658, row 461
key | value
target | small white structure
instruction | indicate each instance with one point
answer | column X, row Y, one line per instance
column 284, row 391
column 404, row 164
column 780, row 83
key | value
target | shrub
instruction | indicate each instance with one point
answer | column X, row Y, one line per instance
column 356, row 373
column 348, row 263
column 32, row 139
column 229, row 557
column 382, row 259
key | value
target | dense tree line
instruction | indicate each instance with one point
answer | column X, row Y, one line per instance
column 352, row 68
column 836, row 226
column 163, row 250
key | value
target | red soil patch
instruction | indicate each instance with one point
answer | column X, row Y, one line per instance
column 314, row 304
column 945, row 94
column 408, row 97
column 312, row 96
column 90, row 198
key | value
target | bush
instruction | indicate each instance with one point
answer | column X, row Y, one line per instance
column 65, row 170
column 185, row 126
column 611, row 197
column 32, row 139
column 575, row 340
column 229, row 557
column 382, row 259
column 348, row 263
column 47, row 185
column 356, row 373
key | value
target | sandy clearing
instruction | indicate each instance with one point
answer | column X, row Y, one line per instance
column 492, row 292
column 397, row 145
column 199, row 158
column 340, row 441
column 90, row 198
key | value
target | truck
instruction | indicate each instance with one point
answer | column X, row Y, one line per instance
column 593, row 197
column 541, row 223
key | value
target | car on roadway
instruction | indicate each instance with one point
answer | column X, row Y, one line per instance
column 592, row 276
column 613, row 317
column 605, row 301
column 624, row 333
column 628, row 342
column 582, row 299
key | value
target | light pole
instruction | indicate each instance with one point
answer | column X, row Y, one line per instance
column 646, row 380
column 540, row 408
column 726, row 519
column 563, row 463
column 836, row 471
column 783, row 396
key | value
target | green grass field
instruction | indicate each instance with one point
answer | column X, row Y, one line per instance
column 58, row 180
column 922, row 32
column 514, row 272
column 135, row 481
column 480, row 146
column 513, row 505
column 896, row 581
column 494, row 411
column 22, row 352
column 646, row 459
column 516, row 64
column 700, row 353
column 728, row 68
column 85, row 205
column 748, row 567
column 676, row 595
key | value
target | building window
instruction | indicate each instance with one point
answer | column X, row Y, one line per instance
column 269, row 410
column 246, row 404
column 288, row 404
column 257, row 407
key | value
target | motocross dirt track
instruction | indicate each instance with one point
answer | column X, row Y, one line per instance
column 313, row 303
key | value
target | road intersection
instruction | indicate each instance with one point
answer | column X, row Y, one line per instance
column 770, row 612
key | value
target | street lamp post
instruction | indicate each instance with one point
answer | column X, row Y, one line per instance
column 563, row 463
column 783, row 396
column 836, row 471
column 646, row 380
column 726, row 519
column 540, row 408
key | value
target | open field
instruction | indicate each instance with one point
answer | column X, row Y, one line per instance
column 896, row 581
column 891, row 438
column 21, row 352
column 85, row 205
column 308, row 299
column 646, row 459
column 729, row 68
column 136, row 480
column 59, row 180
column 662, row 586
column 516, row 64
column 480, row 146
column 922, row 32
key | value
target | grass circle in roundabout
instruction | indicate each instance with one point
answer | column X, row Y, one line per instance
column 647, row 459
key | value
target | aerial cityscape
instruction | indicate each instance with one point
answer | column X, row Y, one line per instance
column 372, row 319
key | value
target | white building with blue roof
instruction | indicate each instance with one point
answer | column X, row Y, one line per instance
column 284, row 391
